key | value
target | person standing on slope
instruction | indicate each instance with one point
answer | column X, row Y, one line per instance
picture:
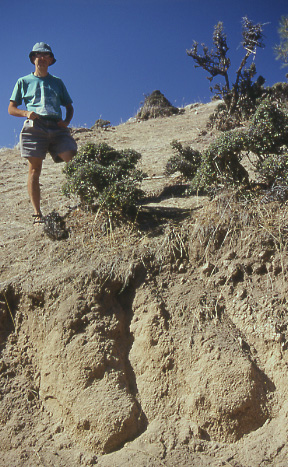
column 44, row 130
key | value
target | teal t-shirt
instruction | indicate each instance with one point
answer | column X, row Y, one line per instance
column 44, row 96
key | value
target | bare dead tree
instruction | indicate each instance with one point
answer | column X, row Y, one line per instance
column 217, row 63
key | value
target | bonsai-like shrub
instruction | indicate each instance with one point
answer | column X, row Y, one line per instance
column 156, row 105
column 104, row 177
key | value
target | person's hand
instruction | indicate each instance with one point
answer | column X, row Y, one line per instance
column 32, row 116
column 63, row 124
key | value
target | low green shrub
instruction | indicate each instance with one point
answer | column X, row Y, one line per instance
column 278, row 92
column 274, row 169
column 221, row 162
column 104, row 177
column 266, row 137
column 185, row 160
column 268, row 130
column 248, row 104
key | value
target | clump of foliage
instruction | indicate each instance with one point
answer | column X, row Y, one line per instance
column 266, row 137
column 268, row 130
column 281, row 50
column 156, row 105
column 240, row 96
column 278, row 92
column 223, row 119
column 221, row 162
column 104, row 177
column 185, row 160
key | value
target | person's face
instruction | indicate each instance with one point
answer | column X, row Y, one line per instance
column 43, row 59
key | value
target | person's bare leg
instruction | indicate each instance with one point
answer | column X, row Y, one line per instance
column 35, row 166
column 67, row 156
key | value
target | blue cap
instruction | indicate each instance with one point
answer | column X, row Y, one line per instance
column 41, row 47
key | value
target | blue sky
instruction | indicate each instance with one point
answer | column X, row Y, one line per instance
column 111, row 53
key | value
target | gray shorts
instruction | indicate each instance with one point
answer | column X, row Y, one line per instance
column 40, row 136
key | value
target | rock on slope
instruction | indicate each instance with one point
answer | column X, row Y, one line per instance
column 161, row 345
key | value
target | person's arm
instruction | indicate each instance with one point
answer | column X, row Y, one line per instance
column 13, row 110
column 69, row 116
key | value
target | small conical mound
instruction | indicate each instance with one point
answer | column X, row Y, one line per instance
column 156, row 105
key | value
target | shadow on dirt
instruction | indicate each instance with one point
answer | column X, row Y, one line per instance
column 177, row 191
column 9, row 301
column 153, row 220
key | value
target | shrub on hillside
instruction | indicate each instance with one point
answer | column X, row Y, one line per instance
column 156, row 105
column 278, row 92
column 185, row 160
column 251, row 96
column 268, row 130
column 266, row 138
column 248, row 105
column 221, row 162
column 274, row 169
column 102, row 176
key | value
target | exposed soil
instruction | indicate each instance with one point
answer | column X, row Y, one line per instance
column 162, row 341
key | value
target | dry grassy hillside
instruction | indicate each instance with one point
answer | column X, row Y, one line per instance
column 161, row 342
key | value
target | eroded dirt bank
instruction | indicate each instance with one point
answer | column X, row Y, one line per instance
column 161, row 343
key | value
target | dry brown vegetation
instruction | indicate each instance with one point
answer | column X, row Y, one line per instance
column 162, row 341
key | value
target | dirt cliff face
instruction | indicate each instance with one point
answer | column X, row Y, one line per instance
column 159, row 343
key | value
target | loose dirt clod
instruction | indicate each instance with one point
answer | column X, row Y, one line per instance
column 54, row 226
